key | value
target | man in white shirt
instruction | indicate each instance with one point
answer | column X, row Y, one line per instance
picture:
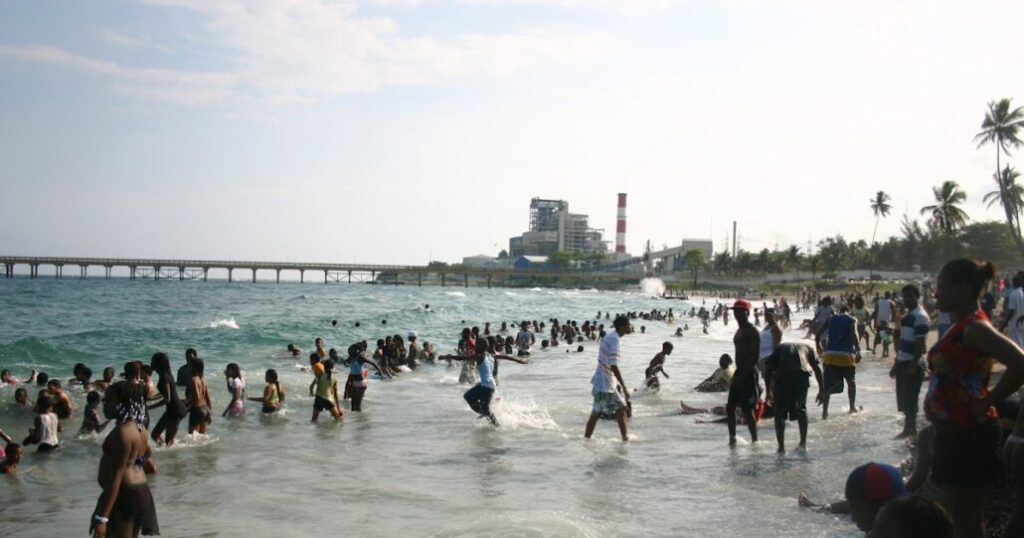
column 607, row 381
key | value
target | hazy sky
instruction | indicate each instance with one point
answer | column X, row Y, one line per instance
column 386, row 131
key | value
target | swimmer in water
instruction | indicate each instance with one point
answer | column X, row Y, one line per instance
column 197, row 395
column 91, row 422
column 358, row 375
column 679, row 332
column 12, row 457
column 236, row 387
column 169, row 422
column 479, row 397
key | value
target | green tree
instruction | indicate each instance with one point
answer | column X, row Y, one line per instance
column 1010, row 195
column 1001, row 128
column 946, row 215
column 694, row 261
column 880, row 207
column 793, row 259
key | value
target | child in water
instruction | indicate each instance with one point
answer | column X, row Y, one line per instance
column 273, row 394
column 657, row 366
column 236, row 387
column 91, row 423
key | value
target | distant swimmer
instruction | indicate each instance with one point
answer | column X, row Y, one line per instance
column 524, row 340
column 657, row 366
column 679, row 332
column 294, row 351
column 334, row 323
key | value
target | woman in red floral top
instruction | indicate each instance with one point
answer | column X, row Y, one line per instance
column 959, row 403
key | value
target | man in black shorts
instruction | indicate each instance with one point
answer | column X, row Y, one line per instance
column 787, row 375
column 743, row 389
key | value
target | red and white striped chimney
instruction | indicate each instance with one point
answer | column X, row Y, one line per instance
column 620, row 225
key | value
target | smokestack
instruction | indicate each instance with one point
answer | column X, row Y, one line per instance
column 620, row 226
column 733, row 239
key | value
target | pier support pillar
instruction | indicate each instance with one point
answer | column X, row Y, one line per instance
column 253, row 275
column 7, row 270
column 83, row 270
column 465, row 280
column 181, row 273
column 34, row 270
column 131, row 272
column 350, row 277
column 419, row 279
column 488, row 281
column 156, row 273
column 230, row 275
column 302, row 276
column 59, row 271
column 107, row 270
column 325, row 276
column 206, row 273
column 278, row 278
column 373, row 277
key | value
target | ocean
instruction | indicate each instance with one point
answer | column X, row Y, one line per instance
column 417, row 461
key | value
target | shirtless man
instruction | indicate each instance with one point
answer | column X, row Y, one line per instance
column 743, row 389
column 198, row 399
column 657, row 366
column 125, row 507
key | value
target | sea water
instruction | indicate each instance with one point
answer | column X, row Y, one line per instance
column 417, row 461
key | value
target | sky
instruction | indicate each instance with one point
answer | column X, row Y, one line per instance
column 403, row 131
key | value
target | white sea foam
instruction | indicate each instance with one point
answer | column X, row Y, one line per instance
column 652, row 287
column 223, row 324
column 455, row 294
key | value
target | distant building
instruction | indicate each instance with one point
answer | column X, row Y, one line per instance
column 553, row 228
column 480, row 260
column 530, row 262
column 674, row 259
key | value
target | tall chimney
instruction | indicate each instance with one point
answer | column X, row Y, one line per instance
column 620, row 226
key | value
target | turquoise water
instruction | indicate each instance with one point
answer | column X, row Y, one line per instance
column 417, row 461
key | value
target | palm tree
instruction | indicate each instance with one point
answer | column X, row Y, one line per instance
column 946, row 216
column 880, row 207
column 1010, row 191
column 694, row 260
column 793, row 259
column 1000, row 127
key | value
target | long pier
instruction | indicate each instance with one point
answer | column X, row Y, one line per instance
column 337, row 272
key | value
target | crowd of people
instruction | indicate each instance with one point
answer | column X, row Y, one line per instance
column 957, row 456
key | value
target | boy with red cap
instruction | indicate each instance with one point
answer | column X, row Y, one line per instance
column 743, row 389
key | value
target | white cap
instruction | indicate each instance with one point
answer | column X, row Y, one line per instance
column 412, row 334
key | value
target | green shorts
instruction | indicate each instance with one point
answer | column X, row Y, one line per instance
column 607, row 404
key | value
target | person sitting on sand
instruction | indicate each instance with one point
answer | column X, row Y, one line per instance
column 721, row 378
column 657, row 366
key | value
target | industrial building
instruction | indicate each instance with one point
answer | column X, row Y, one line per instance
column 553, row 228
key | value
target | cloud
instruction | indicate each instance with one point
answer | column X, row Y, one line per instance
column 301, row 52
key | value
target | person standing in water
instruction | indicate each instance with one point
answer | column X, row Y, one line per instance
column 479, row 397
column 842, row 353
column 743, row 389
column 175, row 408
column 273, row 394
column 326, row 398
column 908, row 371
column 787, row 377
column 126, row 506
column 657, row 366
column 236, row 387
column 771, row 337
column 358, row 375
column 608, row 387
column 198, row 396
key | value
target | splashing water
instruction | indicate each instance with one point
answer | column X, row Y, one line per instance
column 223, row 323
column 652, row 287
